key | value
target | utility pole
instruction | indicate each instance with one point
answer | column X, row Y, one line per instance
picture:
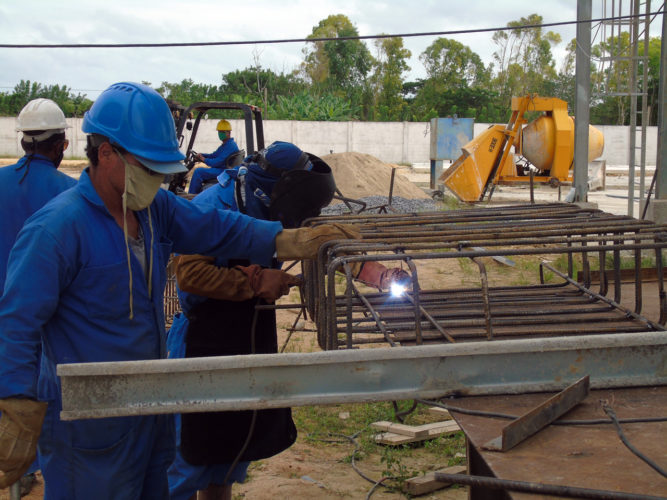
column 582, row 100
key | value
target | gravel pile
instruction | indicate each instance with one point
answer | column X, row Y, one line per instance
column 402, row 205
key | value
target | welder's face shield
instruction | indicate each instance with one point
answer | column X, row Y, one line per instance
column 300, row 194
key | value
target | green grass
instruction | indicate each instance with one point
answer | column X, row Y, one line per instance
column 321, row 426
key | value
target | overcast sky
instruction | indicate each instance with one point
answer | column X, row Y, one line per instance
column 161, row 21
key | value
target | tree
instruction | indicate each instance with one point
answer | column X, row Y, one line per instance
column 339, row 67
column 187, row 92
column 25, row 91
column 524, row 59
column 387, row 79
column 260, row 85
column 453, row 64
column 456, row 85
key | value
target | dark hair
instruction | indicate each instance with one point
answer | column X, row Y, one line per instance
column 93, row 143
column 43, row 146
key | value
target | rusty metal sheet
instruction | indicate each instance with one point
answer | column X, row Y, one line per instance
column 590, row 456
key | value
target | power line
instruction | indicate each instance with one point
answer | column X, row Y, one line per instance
column 307, row 40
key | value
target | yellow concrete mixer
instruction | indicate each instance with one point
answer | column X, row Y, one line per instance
column 546, row 142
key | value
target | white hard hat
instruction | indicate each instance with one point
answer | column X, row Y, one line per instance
column 42, row 114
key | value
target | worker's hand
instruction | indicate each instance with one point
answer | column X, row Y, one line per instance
column 304, row 242
column 269, row 284
column 20, row 426
column 200, row 158
column 375, row 274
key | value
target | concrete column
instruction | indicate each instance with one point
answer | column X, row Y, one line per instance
column 583, row 97
column 657, row 210
column 406, row 144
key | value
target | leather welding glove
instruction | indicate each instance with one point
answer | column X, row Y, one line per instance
column 199, row 275
column 20, row 426
column 269, row 284
column 375, row 274
column 304, row 242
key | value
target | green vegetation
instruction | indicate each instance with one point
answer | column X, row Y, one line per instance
column 323, row 426
column 341, row 80
column 71, row 104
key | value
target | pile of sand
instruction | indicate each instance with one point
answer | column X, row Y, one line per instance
column 359, row 175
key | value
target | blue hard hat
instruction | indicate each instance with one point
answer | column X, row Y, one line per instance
column 137, row 118
column 283, row 155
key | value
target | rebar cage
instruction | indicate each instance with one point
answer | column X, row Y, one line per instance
column 553, row 302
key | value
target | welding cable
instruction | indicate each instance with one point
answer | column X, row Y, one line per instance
column 401, row 414
column 352, row 439
column 251, row 428
column 379, row 483
column 612, row 415
column 489, row 414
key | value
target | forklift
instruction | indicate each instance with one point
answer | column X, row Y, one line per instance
column 190, row 118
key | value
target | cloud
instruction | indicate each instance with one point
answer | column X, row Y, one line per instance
column 150, row 21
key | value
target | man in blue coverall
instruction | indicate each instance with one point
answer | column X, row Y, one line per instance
column 216, row 161
column 26, row 186
column 86, row 278
column 218, row 298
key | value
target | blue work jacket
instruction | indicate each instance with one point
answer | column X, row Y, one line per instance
column 217, row 158
column 68, row 281
column 23, row 191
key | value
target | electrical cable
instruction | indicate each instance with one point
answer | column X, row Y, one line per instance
column 489, row 414
column 352, row 439
column 251, row 428
column 612, row 415
column 401, row 414
column 379, row 483
column 314, row 40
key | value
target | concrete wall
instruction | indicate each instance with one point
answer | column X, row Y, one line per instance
column 403, row 142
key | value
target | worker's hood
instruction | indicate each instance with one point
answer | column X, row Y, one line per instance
column 253, row 191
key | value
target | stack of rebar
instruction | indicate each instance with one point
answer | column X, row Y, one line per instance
column 553, row 302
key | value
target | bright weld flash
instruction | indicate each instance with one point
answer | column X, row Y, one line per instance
column 397, row 290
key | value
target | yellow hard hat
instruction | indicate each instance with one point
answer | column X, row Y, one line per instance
column 223, row 125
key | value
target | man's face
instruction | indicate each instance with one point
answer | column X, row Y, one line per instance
column 223, row 135
column 114, row 168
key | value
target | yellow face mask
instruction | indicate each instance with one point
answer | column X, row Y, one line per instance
column 140, row 189
column 141, row 185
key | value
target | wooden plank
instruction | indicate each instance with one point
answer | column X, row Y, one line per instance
column 407, row 430
column 441, row 413
column 393, row 439
column 427, row 483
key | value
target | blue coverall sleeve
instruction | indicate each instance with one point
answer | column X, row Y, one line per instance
column 218, row 158
column 38, row 270
column 206, row 230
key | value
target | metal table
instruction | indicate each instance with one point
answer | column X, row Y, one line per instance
column 586, row 456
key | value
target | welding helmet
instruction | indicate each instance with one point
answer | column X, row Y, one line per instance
column 286, row 184
column 137, row 118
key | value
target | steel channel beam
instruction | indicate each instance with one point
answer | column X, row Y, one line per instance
column 96, row 390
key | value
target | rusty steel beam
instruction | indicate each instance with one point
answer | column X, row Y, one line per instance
column 98, row 390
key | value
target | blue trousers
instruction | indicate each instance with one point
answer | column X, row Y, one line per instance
column 110, row 458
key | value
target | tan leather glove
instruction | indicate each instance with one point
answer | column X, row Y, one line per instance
column 269, row 284
column 20, row 426
column 199, row 275
column 304, row 242
column 375, row 274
